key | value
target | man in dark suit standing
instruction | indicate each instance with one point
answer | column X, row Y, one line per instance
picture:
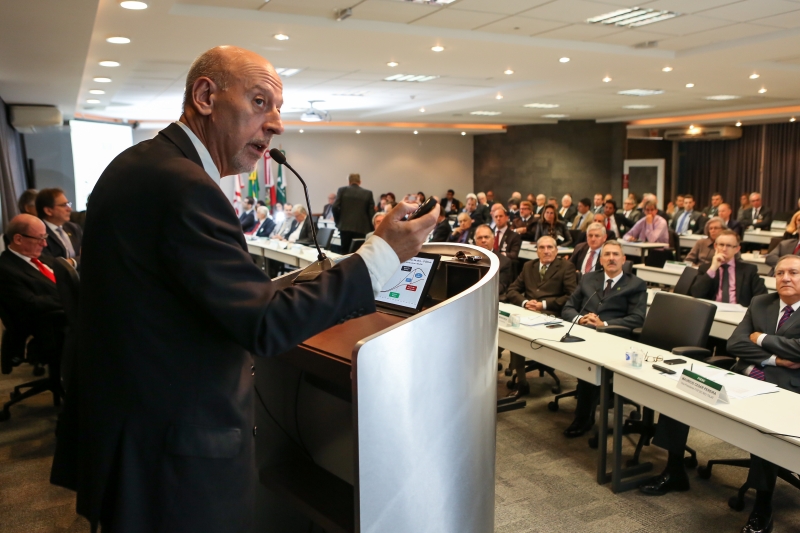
column 726, row 214
column 758, row 216
column 586, row 255
column 442, row 230
column 506, row 242
column 767, row 343
column 158, row 427
column 352, row 211
column 727, row 279
column 611, row 297
column 64, row 238
column 248, row 216
column 544, row 285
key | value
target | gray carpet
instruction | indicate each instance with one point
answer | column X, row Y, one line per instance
column 545, row 483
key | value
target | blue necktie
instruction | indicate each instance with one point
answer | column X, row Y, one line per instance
column 682, row 222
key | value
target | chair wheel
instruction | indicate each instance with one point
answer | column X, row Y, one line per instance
column 736, row 503
column 508, row 371
column 690, row 462
column 635, row 415
column 4, row 415
column 704, row 472
column 593, row 442
column 556, row 390
column 38, row 371
column 552, row 406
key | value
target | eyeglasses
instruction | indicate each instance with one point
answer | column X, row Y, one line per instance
column 652, row 358
column 40, row 239
column 67, row 204
column 726, row 246
column 464, row 258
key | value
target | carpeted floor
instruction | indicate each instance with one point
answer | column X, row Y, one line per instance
column 545, row 483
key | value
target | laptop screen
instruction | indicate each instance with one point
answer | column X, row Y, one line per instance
column 408, row 287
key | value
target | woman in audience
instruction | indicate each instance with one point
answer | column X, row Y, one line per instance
column 703, row 250
column 791, row 226
column 744, row 205
column 550, row 226
column 464, row 232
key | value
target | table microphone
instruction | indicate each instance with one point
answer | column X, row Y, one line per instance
column 323, row 262
column 570, row 338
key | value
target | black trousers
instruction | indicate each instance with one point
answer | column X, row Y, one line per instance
column 762, row 475
column 588, row 396
column 347, row 239
column 671, row 435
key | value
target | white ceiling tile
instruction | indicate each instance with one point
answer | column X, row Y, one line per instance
column 508, row 7
column 687, row 24
column 521, row 26
column 581, row 32
column 689, row 6
column 391, row 10
column 570, row 10
column 719, row 35
column 749, row 10
column 317, row 8
column 631, row 37
column 786, row 20
column 458, row 19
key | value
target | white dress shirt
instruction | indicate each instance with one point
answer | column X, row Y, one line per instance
column 63, row 237
column 381, row 260
column 594, row 259
column 28, row 260
column 771, row 360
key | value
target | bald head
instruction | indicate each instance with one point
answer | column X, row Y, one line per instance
column 26, row 235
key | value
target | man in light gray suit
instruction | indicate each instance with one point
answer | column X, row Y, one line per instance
column 785, row 247
column 352, row 211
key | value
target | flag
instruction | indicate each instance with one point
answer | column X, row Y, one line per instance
column 280, row 193
column 237, row 194
column 253, row 188
column 269, row 182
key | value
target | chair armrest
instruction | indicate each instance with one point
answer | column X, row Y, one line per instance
column 722, row 361
column 618, row 331
column 637, row 332
column 695, row 352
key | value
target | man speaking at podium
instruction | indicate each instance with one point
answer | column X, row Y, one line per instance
column 158, row 431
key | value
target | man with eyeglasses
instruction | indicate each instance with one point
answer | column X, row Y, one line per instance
column 63, row 237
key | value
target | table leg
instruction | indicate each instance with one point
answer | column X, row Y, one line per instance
column 602, row 435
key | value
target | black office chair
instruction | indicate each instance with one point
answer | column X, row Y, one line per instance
column 68, row 284
column 679, row 325
column 773, row 243
column 675, row 242
column 627, row 267
column 658, row 258
column 575, row 235
column 324, row 236
column 355, row 245
column 686, row 280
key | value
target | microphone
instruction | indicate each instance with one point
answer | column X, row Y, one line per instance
column 323, row 262
column 570, row 338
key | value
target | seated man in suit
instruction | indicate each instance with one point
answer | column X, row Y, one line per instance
column 248, row 216
column 725, row 213
column 474, row 212
column 616, row 225
column 703, row 250
column 442, row 230
column 27, row 202
column 538, row 209
column 300, row 230
column 463, row 231
column 506, row 242
column 63, row 237
column 767, row 343
column 484, row 237
column 713, row 209
column 727, row 279
column 544, row 285
column 611, row 297
column 264, row 224
column 758, row 216
column 650, row 228
column 629, row 211
column 377, row 218
column 586, row 255
column 584, row 216
column 288, row 219
column 567, row 211
column 28, row 289
column 327, row 211
column 784, row 248
column 688, row 221
column 449, row 204
column 599, row 205
column 525, row 225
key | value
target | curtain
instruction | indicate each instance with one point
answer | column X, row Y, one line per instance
column 12, row 167
column 782, row 166
column 728, row 167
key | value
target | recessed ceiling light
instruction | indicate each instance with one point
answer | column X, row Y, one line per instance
column 410, row 77
column 508, row 72
column 754, row 76
column 437, row 48
column 762, row 90
column 632, row 17
column 102, row 80
column 92, row 101
column 96, row 91
column 486, row 113
column 131, row 4
column 416, row 132
column 641, row 92
column 738, row 124
column 666, row 69
column 281, row 37
column 392, row 64
column 498, row 97
column 118, row 40
column 109, row 64
column 541, row 106
column 358, row 132
column 564, row 60
column 606, row 79
column 637, row 106
column 792, row 119
column 301, row 131
column 463, row 133
column 421, row 109
column 689, row 85
column 286, row 72
column 555, row 115
column 723, row 97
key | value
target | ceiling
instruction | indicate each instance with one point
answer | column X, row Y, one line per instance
column 50, row 50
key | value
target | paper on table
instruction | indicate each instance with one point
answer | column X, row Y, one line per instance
column 538, row 320
column 729, row 308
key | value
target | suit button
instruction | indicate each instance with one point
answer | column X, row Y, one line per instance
column 253, row 370
column 255, row 430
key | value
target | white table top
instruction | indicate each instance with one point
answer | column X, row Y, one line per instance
column 647, row 245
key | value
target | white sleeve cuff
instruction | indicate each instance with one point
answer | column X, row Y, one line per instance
column 544, row 305
column 761, row 339
column 770, row 362
column 524, row 302
column 381, row 260
column 605, row 323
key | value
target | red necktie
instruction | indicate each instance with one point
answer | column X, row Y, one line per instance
column 608, row 224
column 589, row 262
column 796, row 248
column 44, row 270
column 497, row 240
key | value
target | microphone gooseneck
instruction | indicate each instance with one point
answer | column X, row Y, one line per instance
column 569, row 338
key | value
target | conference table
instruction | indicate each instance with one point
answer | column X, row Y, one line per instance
column 760, row 261
column 640, row 249
column 760, row 236
column 689, row 240
column 291, row 254
column 670, row 276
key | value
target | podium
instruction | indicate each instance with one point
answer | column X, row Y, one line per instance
column 385, row 424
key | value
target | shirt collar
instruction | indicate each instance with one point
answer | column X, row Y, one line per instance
column 614, row 279
column 795, row 306
column 50, row 225
column 28, row 259
column 202, row 151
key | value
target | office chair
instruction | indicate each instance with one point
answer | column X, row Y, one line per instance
column 355, row 245
column 676, row 324
column 575, row 235
column 324, row 236
column 773, row 243
column 658, row 258
column 68, row 285
column 627, row 267
column 675, row 242
column 686, row 280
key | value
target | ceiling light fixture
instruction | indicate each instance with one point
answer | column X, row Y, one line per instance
column 102, row 80
column 637, row 106
column 286, row 72
column 421, row 109
column 632, row 17
column 641, row 92
column 555, row 115
column 96, row 91
column 754, row 76
column 564, row 60
column 723, row 97
column 606, row 79
column 498, row 97
column 92, row 101
column 109, row 64
column 118, row 40
column 486, row 113
column 463, row 133
column 416, row 132
column 281, row 37
column 131, row 4
column 358, row 132
column 689, row 85
column 437, row 48
column 410, row 77
column 392, row 64
column 541, row 106
column 792, row 119
column 508, row 72
column 738, row 124
column 666, row 69
column 762, row 90
column 301, row 131
column 344, row 14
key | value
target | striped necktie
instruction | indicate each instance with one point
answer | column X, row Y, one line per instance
column 758, row 371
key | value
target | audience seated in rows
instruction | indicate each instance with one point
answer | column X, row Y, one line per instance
column 758, row 216
column 506, row 241
column 264, row 224
column 629, row 210
column 687, row 221
column 524, row 224
column 299, row 230
column 584, row 216
column 463, row 232
column 585, row 257
column 248, row 216
column 725, row 213
column 703, row 250
column 616, row 225
column 478, row 214
column 567, row 211
column 450, row 204
column 484, row 237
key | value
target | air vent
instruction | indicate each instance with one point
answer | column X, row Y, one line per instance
column 696, row 133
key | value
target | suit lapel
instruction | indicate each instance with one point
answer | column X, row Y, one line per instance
column 54, row 242
column 178, row 137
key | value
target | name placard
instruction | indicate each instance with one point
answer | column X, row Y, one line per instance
column 504, row 318
column 703, row 388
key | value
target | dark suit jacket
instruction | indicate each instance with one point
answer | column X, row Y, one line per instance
column 626, row 305
column 634, row 217
column 172, row 311
column 766, row 218
column 623, row 225
column 530, row 225
column 506, row 275
column 353, row 209
column 55, row 248
column 736, row 226
column 748, row 283
column 266, row 228
column 569, row 215
column 248, row 220
column 479, row 216
column 711, row 211
column 762, row 315
column 442, row 231
column 559, row 229
column 327, row 211
column 555, row 289
column 455, row 207
column 26, row 292
column 697, row 222
column 510, row 244
column 457, row 238
column 785, row 247
column 579, row 254
column 305, row 236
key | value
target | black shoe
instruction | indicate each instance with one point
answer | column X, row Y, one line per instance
column 579, row 426
column 758, row 522
column 519, row 392
column 664, row 483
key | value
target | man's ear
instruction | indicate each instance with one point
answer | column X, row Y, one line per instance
column 48, row 211
column 203, row 95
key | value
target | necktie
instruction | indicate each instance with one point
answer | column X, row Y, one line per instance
column 682, row 223
column 67, row 242
column 608, row 287
column 542, row 271
column 796, row 248
column 608, row 224
column 787, row 312
column 724, row 284
column 755, row 213
column 589, row 262
column 758, row 371
column 497, row 240
column 44, row 270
